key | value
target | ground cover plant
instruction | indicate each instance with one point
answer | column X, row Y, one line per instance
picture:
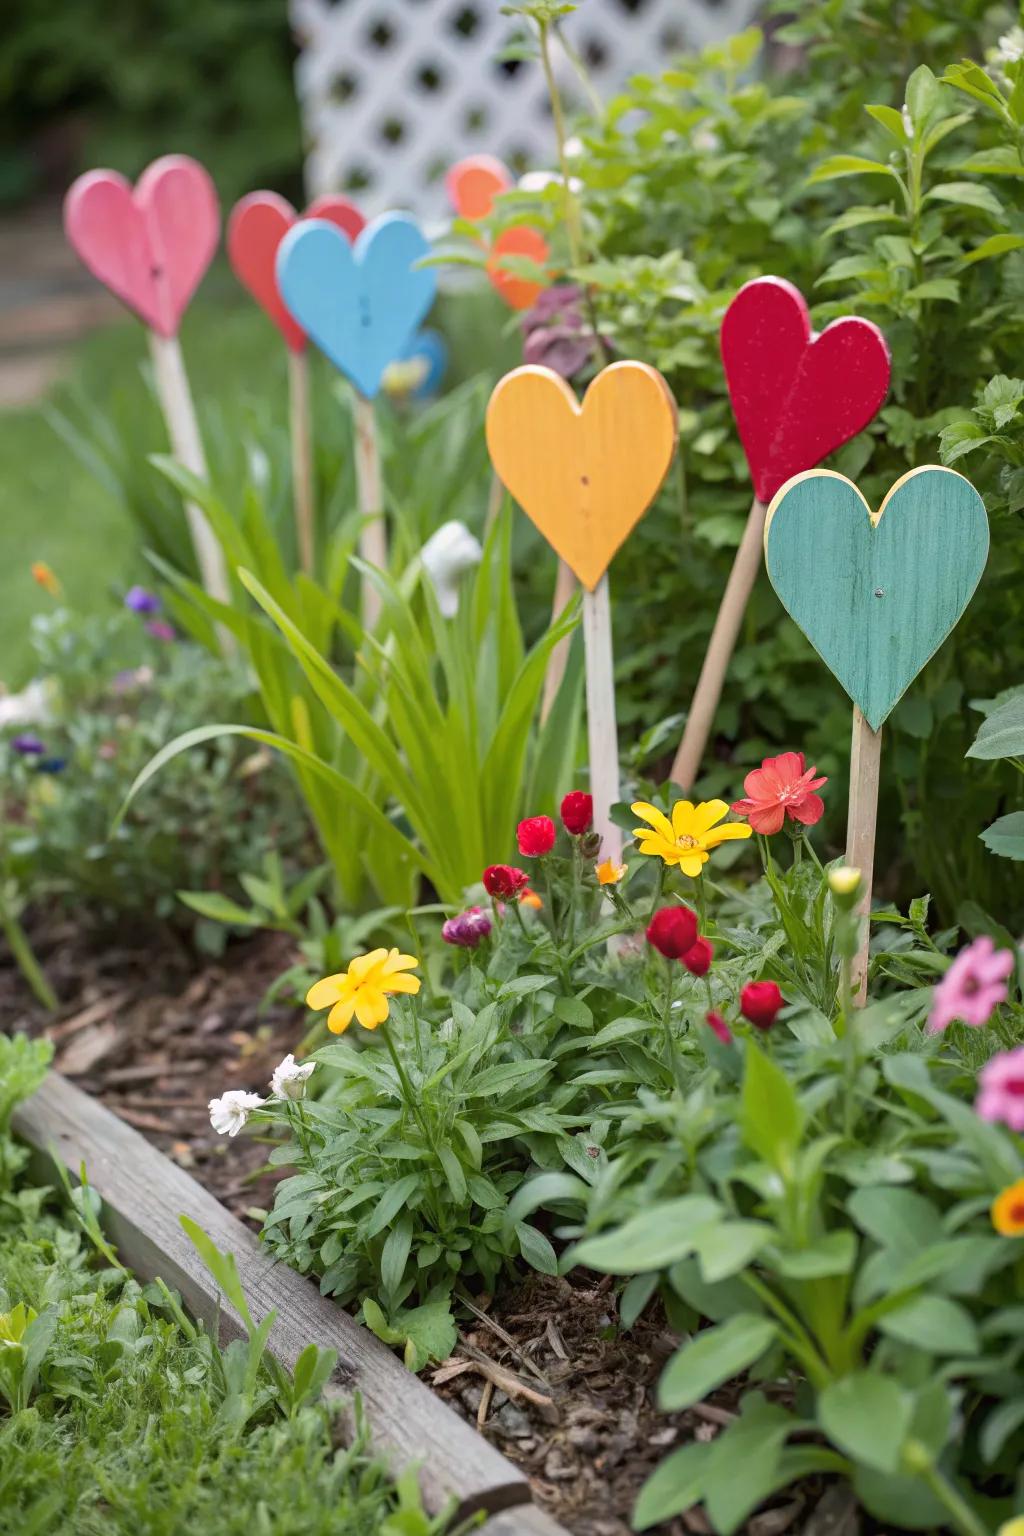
column 118, row 1412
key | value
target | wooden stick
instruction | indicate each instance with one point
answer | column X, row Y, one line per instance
column 302, row 454
column 865, row 754
column 719, row 653
column 565, row 586
column 183, row 430
column 602, row 734
column 373, row 540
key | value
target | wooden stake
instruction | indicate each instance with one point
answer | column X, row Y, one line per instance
column 865, row 755
column 744, row 571
column 565, row 586
column 186, row 444
column 373, row 540
column 302, row 454
column 602, row 734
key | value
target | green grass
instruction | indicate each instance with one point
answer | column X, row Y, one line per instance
column 91, row 531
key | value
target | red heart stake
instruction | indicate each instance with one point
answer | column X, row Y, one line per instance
column 150, row 244
column 797, row 396
column 258, row 224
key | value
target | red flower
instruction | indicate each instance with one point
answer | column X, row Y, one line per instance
column 672, row 931
column 760, row 1001
column 715, row 1022
column 577, row 812
column 698, row 957
column 536, row 836
column 781, row 788
column 504, row 880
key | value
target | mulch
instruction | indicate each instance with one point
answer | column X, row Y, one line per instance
column 545, row 1372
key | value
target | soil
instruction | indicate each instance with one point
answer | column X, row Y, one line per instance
column 545, row 1373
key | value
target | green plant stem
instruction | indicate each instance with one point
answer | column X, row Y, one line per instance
column 849, row 1039
column 407, row 1090
column 672, row 1057
column 26, row 961
column 961, row 1515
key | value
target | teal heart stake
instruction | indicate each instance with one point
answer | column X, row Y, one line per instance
column 876, row 595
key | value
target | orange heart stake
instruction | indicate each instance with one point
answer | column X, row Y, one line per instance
column 584, row 474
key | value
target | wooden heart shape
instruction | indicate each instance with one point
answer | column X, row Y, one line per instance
column 151, row 244
column 258, row 224
column 360, row 303
column 584, row 474
column 876, row 594
column 472, row 185
column 797, row 396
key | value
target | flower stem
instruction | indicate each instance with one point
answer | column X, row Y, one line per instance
column 407, row 1089
column 672, row 1056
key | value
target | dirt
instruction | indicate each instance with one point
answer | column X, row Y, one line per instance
column 545, row 1372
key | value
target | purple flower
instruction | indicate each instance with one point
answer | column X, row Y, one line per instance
column 556, row 332
column 28, row 745
column 160, row 630
column 1002, row 1089
column 141, row 600
column 467, row 929
column 51, row 765
column 973, row 987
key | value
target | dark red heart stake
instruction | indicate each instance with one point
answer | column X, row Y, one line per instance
column 797, row 396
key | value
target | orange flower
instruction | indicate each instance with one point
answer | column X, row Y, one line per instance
column 1008, row 1211
column 42, row 574
column 609, row 873
column 531, row 899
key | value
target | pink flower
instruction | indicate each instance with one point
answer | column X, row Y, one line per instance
column 781, row 788
column 718, row 1026
column 536, row 836
column 1002, row 1089
column 973, row 987
column 698, row 957
column 467, row 928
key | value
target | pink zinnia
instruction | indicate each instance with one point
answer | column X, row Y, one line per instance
column 717, row 1024
column 973, row 987
column 1002, row 1089
column 780, row 788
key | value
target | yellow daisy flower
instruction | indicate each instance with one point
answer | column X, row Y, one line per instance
column 1008, row 1211
column 609, row 873
column 363, row 989
column 686, row 840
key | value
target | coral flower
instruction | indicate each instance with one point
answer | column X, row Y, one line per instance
column 609, row 873
column 718, row 1026
column 760, row 1001
column 536, row 836
column 44, row 577
column 973, row 987
column 1008, row 1211
column 577, row 812
column 781, row 787
column 1002, row 1089
column 530, row 899
column 363, row 989
column 672, row 931
column 698, row 957
column 689, row 837
column 504, row 880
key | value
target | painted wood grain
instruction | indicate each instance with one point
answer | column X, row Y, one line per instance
column 143, row 1194
column 602, row 732
column 876, row 595
column 865, row 766
column 583, row 473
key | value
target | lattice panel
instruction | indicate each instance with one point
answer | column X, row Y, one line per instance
column 392, row 91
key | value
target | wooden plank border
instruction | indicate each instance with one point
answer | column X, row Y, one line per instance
column 143, row 1194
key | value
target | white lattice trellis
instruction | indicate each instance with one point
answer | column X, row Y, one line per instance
column 392, row 91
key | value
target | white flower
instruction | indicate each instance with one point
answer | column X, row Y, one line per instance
column 289, row 1078
column 32, row 706
column 573, row 148
column 1010, row 48
column 446, row 557
column 230, row 1112
column 536, row 181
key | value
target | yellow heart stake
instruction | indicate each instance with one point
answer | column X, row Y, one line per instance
column 584, row 474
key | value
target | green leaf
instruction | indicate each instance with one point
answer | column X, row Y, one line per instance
column 391, row 1202
column 995, row 245
column 848, row 165
column 753, row 1443
column 494, row 1081
column 673, row 1488
column 395, row 1253
column 453, row 1172
column 1006, row 836
column 924, row 96
column 833, row 1254
column 213, row 905
column 222, row 1267
column 715, row 1355
column 726, row 1247
column 771, row 1121
column 891, row 121
column 968, row 194
column 428, row 1332
column 936, row 288
column 650, row 1240
column 536, row 1249
column 933, row 1323
column 867, row 1415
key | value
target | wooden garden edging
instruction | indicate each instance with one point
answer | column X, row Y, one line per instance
column 144, row 1193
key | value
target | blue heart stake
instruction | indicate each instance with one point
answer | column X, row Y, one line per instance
column 876, row 594
column 361, row 304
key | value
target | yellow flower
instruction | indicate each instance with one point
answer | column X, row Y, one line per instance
column 689, row 837
column 1012, row 1527
column 363, row 989
column 14, row 1323
column 42, row 574
column 609, row 873
column 1008, row 1211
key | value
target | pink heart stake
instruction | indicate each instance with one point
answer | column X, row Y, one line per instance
column 796, row 396
column 258, row 224
column 151, row 244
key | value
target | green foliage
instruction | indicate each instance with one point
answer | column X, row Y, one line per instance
column 122, row 1414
